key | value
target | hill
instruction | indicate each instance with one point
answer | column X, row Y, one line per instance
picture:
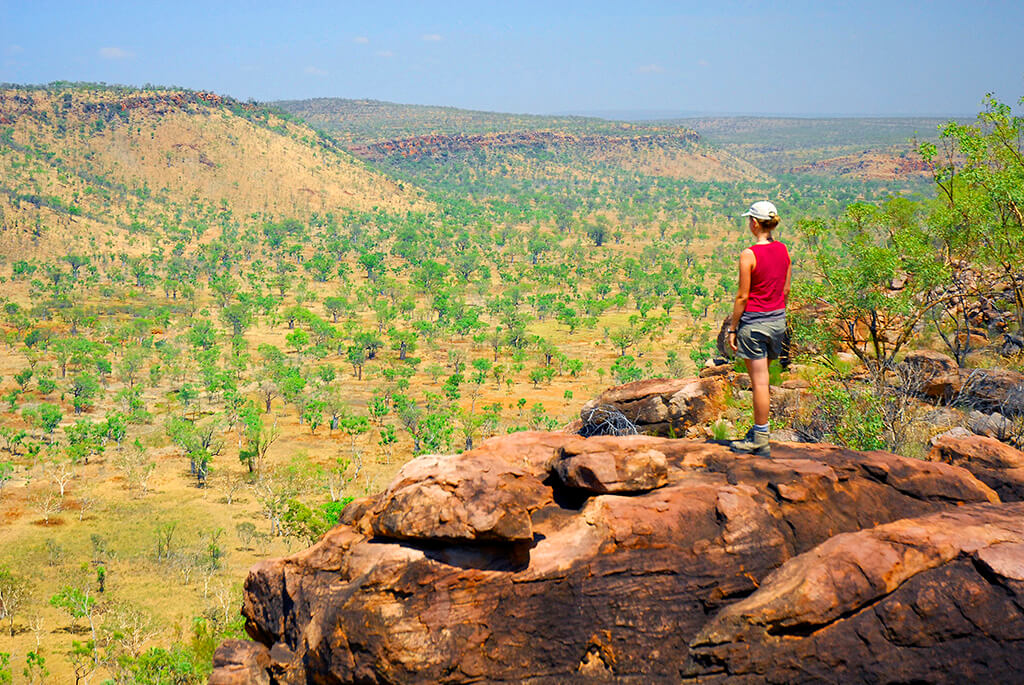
column 364, row 121
column 703, row 149
column 416, row 143
column 850, row 147
column 101, row 159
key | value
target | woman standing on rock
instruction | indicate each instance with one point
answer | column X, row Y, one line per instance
column 758, row 328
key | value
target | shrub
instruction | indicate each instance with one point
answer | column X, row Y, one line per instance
column 845, row 416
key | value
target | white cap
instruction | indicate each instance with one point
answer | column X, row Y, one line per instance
column 762, row 210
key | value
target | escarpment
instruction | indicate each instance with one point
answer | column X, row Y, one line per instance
column 440, row 145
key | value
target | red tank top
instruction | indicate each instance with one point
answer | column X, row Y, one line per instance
column 768, row 277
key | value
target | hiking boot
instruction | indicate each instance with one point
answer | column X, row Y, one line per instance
column 755, row 442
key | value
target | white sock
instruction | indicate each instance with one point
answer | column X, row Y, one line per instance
column 763, row 427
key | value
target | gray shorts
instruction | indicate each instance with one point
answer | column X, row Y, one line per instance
column 760, row 339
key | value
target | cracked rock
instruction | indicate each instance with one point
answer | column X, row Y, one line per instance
column 936, row 599
column 482, row 568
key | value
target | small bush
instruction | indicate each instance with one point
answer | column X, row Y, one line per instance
column 844, row 416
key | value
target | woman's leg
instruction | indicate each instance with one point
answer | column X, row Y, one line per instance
column 758, row 371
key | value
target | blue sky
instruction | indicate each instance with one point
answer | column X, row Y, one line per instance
column 866, row 57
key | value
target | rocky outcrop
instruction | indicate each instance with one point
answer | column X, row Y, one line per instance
column 995, row 390
column 470, row 496
column 994, row 463
column 637, row 542
column 937, row 376
column 1011, row 345
column 934, row 374
column 934, row 599
column 240, row 662
column 440, row 146
column 15, row 104
column 874, row 165
column 620, row 466
column 667, row 406
column 993, row 425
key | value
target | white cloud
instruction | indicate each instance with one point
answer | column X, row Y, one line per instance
column 650, row 69
column 315, row 71
column 362, row 40
column 434, row 37
column 702, row 63
column 115, row 53
column 14, row 50
column 385, row 53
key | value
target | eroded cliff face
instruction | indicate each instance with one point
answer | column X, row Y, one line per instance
column 548, row 557
column 442, row 145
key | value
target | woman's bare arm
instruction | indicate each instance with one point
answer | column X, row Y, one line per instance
column 785, row 288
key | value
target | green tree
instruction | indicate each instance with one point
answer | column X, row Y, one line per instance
column 35, row 670
column 980, row 212
column 624, row 338
column 297, row 340
column 370, row 342
column 387, row 440
column 202, row 334
column 313, row 414
column 856, row 306
column 200, row 442
column 625, row 370
column 115, row 427
column 131, row 365
column 320, row 266
column 598, row 231
column 47, row 417
column 6, row 471
column 84, row 389
column 258, row 438
column 372, row 262
column 85, row 439
column 23, row 378
column 159, row 666
column 78, row 603
column 237, row 315
column 353, row 425
column 357, row 358
column 336, row 306
column 378, row 408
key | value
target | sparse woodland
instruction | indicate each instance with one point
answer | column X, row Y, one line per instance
column 219, row 326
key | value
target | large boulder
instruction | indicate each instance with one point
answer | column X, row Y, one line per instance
column 993, row 425
column 1011, row 345
column 931, row 373
column 611, row 585
column 995, row 390
column 935, row 599
column 470, row 496
column 667, row 407
column 625, row 465
column 240, row 662
column 994, row 463
column 535, row 451
column 937, row 376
